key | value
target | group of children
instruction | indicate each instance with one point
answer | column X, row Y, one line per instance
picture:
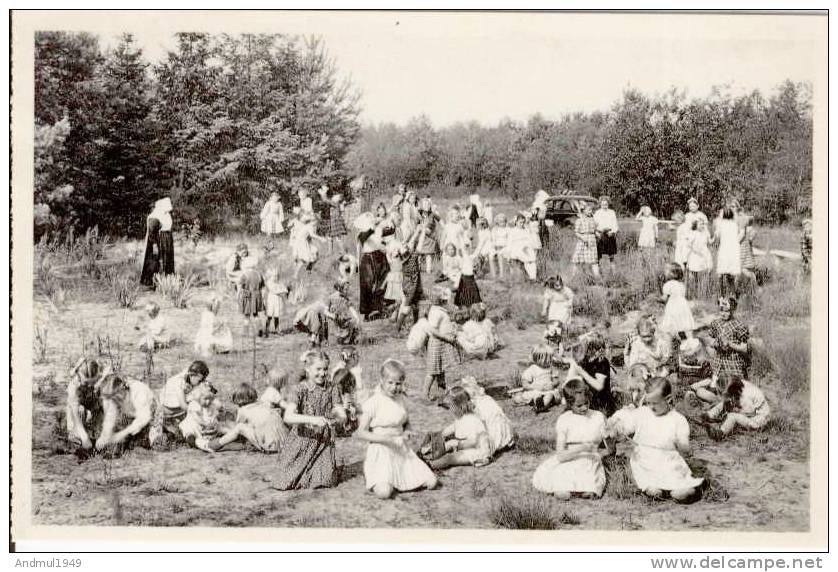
column 299, row 415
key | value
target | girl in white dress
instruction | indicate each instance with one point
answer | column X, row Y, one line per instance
column 157, row 335
column 303, row 250
column 257, row 422
column 466, row 439
column 677, row 315
column 648, row 236
column 272, row 216
column 728, row 258
column 520, row 246
column 213, row 336
column 275, row 294
column 576, row 466
column 699, row 258
column 485, row 246
column 390, row 465
column 498, row 425
column 660, row 436
column 452, row 265
column 557, row 305
column 500, row 235
column 478, row 336
column 682, row 231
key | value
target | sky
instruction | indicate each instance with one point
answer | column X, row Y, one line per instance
column 489, row 66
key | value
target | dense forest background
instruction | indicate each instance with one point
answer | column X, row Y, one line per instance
column 224, row 120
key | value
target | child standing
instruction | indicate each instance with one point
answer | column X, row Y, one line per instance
column 443, row 351
column 213, row 335
column 682, row 234
column 806, row 245
column 303, row 250
column 451, row 265
column 275, row 294
column 729, row 257
column 699, row 258
column 585, row 253
column 467, row 292
column 272, row 216
column 746, row 247
column 677, row 315
column 660, row 436
column 307, row 458
column 648, row 236
column 390, row 465
column 466, row 439
column 557, row 306
column 500, row 234
column 251, row 301
column 428, row 243
column 576, row 466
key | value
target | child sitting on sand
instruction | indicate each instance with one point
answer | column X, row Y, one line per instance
column 647, row 348
column 538, row 387
column 256, row 421
column 213, row 335
column 466, row 439
column 660, row 436
column 201, row 424
column 478, row 336
column 157, row 335
column 576, row 465
column 743, row 404
column 498, row 425
column 313, row 320
column 178, row 392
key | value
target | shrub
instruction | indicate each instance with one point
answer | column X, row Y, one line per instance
column 126, row 291
column 534, row 445
column 177, row 289
column 529, row 513
column 620, row 485
column 41, row 347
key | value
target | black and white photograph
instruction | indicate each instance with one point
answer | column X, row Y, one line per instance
column 420, row 271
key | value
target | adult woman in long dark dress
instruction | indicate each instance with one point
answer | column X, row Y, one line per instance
column 372, row 267
column 159, row 249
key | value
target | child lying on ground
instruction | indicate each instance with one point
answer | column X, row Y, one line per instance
column 743, row 405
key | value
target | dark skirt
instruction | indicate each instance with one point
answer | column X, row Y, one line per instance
column 250, row 294
column 606, row 245
column 167, row 252
column 372, row 275
column 467, row 292
column 337, row 227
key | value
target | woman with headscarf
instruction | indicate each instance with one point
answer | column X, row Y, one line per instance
column 159, row 250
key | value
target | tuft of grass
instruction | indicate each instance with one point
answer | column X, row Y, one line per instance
column 713, row 490
column 534, row 445
column 176, row 288
column 528, row 513
column 41, row 346
column 125, row 291
column 619, row 485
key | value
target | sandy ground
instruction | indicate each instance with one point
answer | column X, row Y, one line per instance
column 763, row 478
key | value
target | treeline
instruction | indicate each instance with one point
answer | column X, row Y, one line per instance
column 219, row 123
column 657, row 151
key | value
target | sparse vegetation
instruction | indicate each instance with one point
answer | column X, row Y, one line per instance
column 176, row 288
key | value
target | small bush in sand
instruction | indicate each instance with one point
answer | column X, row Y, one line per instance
column 534, row 445
column 619, row 485
column 177, row 289
column 523, row 514
column 126, row 291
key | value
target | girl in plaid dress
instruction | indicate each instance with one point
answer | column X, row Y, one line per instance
column 307, row 458
column 443, row 351
column 586, row 252
column 729, row 339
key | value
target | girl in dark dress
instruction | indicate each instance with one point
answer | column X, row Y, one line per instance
column 411, row 280
column 159, row 250
column 372, row 271
column 596, row 370
column 307, row 458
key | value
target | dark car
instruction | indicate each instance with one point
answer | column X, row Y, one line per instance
column 563, row 209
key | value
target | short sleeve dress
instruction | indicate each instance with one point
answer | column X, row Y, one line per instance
column 441, row 355
column 726, row 360
column 655, row 462
column 677, row 315
column 307, row 458
column 586, row 247
column 471, row 427
column 399, row 466
column 584, row 474
column 498, row 426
